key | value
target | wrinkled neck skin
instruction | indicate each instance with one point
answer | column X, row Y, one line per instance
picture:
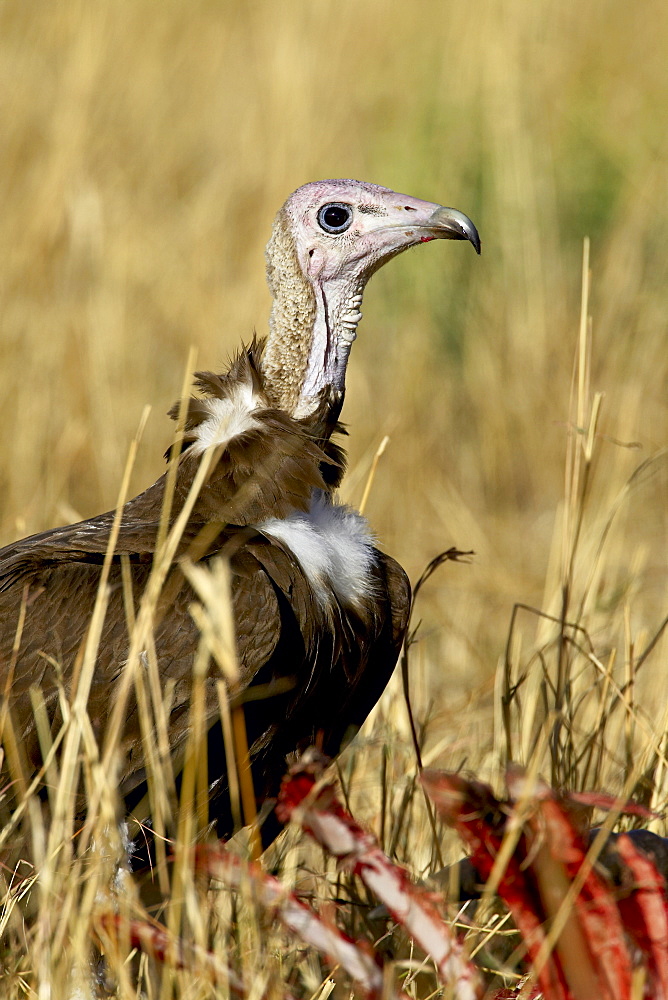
column 334, row 330
column 309, row 344
column 312, row 327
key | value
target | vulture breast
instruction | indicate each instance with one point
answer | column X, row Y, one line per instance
column 333, row 546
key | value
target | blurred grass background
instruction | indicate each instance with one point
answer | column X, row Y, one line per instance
column 145, row 150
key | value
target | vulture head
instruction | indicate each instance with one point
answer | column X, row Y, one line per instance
column 327, row 240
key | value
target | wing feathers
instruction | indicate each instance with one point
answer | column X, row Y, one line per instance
column 267, row 472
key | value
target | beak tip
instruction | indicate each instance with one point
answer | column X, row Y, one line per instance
column 470, row 233
column 454, row 225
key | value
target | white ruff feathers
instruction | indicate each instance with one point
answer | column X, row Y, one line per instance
column 229, row 418
column 332, row 544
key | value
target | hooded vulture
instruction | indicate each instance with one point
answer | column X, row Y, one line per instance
column 319, row 612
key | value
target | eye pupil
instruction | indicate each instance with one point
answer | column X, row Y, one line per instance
column 335, row 218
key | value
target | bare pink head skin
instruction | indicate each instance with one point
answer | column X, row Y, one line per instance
column 327, row 240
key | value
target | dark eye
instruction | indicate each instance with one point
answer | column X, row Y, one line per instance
column 335, row 217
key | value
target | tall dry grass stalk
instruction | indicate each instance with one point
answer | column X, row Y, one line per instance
column 145, row 150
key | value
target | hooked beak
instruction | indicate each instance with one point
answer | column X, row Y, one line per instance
column 407, row 222
column 450, row 224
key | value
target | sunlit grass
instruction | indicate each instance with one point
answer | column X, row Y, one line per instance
column 145, row 150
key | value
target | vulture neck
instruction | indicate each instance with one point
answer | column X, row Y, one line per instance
column 312, row 327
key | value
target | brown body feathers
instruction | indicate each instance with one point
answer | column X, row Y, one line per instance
column 328, row 659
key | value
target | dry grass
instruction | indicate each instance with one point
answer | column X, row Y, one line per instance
column 145, row 149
